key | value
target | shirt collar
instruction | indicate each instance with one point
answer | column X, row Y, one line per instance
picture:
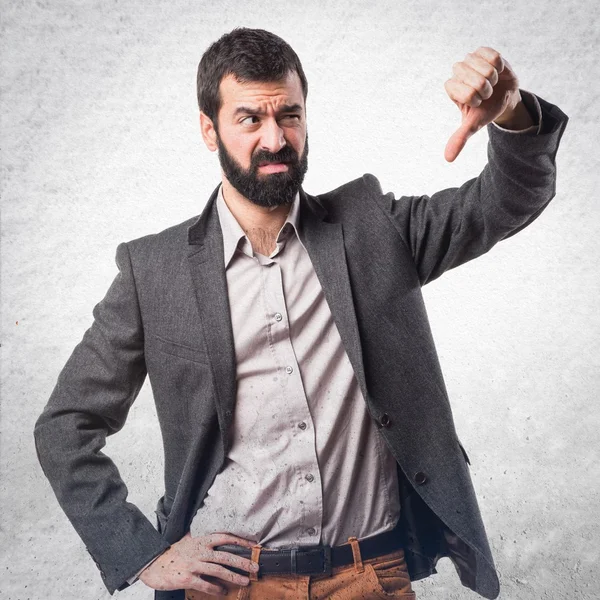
column 234, row 236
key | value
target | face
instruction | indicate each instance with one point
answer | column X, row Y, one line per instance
column 261, row 138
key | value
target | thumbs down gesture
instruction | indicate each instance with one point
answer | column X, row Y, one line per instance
column 485, row 89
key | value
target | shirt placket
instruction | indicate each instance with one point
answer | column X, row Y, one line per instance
column 303, row 455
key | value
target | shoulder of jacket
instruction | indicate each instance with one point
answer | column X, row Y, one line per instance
column 367, row 182
column 351, row 194
column 175, row 235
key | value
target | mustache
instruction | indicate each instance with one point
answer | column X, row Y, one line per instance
column 286, row 155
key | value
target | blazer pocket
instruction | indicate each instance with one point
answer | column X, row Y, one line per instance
column 175, row 349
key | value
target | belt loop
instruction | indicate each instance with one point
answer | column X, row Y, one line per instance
column 358, row 563
column 294, row 561
column 255, row 558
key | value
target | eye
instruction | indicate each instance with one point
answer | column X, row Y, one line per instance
column 250, row 120
column 291, row 118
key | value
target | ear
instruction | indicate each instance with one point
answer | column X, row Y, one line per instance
column 209, row 133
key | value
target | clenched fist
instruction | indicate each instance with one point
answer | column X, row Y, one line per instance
column 192, row 561
column 485, row 89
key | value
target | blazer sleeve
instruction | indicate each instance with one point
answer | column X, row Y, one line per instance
column 456, row 225
column 91, row 400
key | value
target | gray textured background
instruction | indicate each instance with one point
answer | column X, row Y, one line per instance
column 100, row 144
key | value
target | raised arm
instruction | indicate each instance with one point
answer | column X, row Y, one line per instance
column 458, row 224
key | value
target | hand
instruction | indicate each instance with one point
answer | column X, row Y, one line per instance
column 181, row 566
column 484, row 87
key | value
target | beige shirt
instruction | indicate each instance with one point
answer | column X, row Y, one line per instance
column 306, row 464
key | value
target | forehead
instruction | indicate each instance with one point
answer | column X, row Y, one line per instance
column 260, row 94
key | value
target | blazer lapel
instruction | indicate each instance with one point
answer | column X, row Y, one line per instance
column 324, row 242
column 209, row 281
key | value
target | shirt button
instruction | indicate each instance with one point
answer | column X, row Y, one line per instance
column 309, row 477
column 302, row 425
column 311, row 531
column 289, row 370
column 278, row 316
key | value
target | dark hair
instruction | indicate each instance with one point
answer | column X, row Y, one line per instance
column 248, row 55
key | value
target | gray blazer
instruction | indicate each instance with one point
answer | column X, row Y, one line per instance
column 166, row 315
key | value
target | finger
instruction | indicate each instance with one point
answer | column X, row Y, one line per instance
column 457, row 141
column 483, row 67
column 492, row 56
column 220, row 572
column 462, row 93
column 218, row 539
column 198, row 583
column 454, row 146
column 508, row 74
column 463, row 73
column 232, row 560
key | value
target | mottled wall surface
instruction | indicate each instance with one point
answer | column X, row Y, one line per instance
column 100, row 144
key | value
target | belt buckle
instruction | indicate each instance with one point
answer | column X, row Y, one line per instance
column 324, row 550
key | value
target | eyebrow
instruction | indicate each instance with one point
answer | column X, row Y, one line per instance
column 246, row 110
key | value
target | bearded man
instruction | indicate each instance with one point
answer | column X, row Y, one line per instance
column 310, row 450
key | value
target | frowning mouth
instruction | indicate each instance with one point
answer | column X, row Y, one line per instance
column 271, row 167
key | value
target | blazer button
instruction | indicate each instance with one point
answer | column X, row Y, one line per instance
column 384, row 421
column 420, row 478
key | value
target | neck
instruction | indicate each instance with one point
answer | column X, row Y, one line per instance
column 250, row 216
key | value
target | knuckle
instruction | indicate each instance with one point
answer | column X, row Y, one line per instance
column 490, row 72
column 486, row 90
column 482, row 82
column 474, row 97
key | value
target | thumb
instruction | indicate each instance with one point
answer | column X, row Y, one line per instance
column 457, row 141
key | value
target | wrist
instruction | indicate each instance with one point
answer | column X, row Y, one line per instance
column 515, row 118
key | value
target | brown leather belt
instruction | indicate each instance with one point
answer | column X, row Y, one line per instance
column 315, row 560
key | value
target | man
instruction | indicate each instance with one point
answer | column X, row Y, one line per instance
column 305, row 422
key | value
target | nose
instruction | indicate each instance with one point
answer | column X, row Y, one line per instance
column 273, row 139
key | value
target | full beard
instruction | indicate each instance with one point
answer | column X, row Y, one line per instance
column 274, row 189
